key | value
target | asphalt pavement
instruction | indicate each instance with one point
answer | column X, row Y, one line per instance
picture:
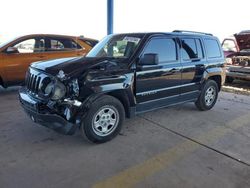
column 171, row 147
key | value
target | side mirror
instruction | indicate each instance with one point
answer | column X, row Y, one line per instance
column 11, row 50
column 149, row 59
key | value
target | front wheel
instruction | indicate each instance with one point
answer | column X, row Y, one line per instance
column 103, row 120
column 208, row 96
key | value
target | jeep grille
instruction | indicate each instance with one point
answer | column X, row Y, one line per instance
column 34, row 80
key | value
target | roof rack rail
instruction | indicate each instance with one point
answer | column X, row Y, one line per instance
column 185, row 31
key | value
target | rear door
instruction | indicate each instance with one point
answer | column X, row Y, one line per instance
column 159, row 85
column 193, row 66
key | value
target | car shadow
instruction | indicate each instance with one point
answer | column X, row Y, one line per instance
column 244, row 84
column 9, row 90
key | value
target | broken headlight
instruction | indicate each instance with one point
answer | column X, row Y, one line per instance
column 56, row 90
column 229, row 61
column 75, row 87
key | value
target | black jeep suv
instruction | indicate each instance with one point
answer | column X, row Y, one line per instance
column 123, row 75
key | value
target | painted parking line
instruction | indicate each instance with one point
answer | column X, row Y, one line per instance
column 133, row 175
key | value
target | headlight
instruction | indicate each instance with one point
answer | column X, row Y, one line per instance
column 229, row 61
column 56, row 90
column 49, row 88
column 59, row 91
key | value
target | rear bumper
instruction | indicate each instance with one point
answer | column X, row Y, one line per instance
column 52, row 121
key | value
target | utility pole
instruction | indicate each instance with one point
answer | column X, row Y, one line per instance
column 110, row 14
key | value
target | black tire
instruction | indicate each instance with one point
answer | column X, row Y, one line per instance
column 102, row 112
column 229, row 79
column 1, row 82
column 204, row 103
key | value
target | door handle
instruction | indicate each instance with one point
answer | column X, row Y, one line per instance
column 174, row 70
column 202, row 66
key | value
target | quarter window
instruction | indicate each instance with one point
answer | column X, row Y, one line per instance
column 191, row 49
column 212, row 48
column 165, row 48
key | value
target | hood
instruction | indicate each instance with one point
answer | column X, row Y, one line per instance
column 74, row 65
column 243, row 40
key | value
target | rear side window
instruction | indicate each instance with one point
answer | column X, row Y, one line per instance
column 212, row 48
column 164, row 47
column 62, row 44
column 191, row 49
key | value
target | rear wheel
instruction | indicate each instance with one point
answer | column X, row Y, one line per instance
column 208, row 96
column 104, row 119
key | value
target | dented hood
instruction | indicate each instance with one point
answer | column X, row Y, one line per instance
column 74, row 65
column 243, row 40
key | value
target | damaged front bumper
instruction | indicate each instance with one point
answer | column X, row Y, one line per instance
column 44, row 117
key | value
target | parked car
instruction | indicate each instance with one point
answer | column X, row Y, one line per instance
column 17, row 54
column 237, row 53
column 96, row 92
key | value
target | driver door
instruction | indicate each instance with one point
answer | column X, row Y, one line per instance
column 159, row 85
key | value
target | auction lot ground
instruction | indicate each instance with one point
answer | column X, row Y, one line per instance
column 238, row 87
column 171, row 147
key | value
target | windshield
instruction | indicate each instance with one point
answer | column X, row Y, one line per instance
column 118, row 46
column 229, row 45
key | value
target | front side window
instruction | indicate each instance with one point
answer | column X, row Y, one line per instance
column 31, row 45
column 116, row 46
column 164, row 47
column 212, row 48
column 26, row 46
column 191, row 49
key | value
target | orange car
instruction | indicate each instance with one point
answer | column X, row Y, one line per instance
column 16, row 55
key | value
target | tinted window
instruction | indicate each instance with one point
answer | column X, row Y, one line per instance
column 92, row 43
column 165, row 48
column 199, row 48
column 62, row 44
column 212, row 48
column 191, row 49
